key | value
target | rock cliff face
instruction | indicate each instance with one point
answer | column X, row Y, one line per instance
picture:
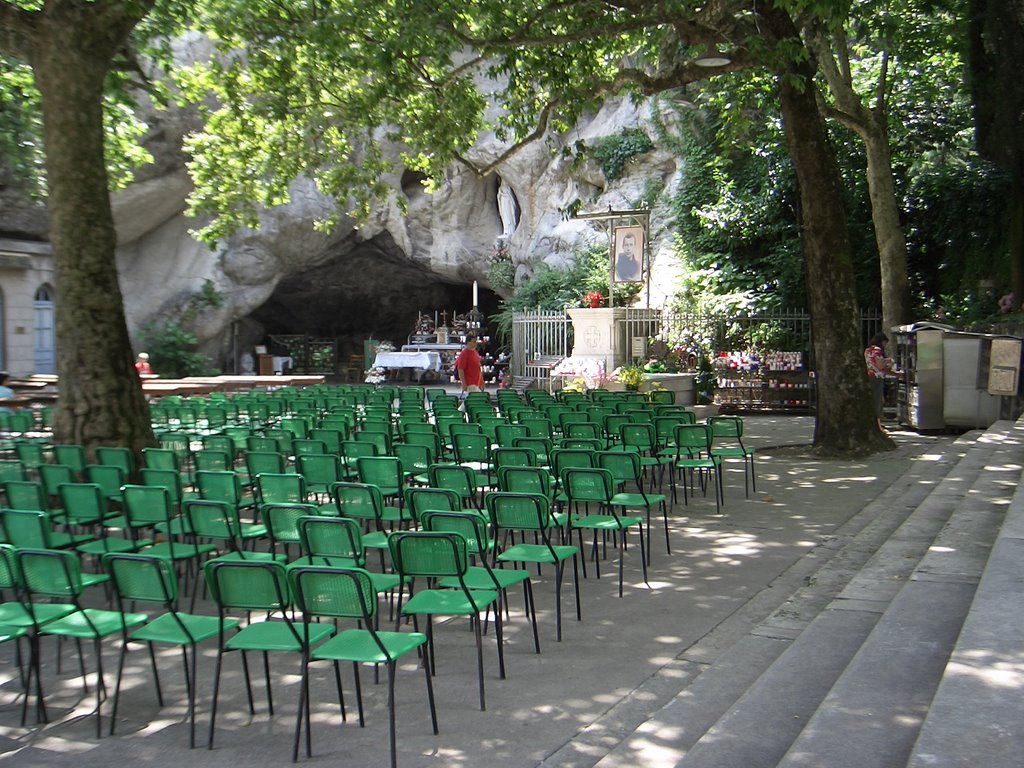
column 288, row 278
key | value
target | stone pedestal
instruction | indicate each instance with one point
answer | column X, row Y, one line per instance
column 680, row 383
column 598, row 334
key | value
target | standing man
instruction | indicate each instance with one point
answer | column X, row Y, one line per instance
column 467, row 365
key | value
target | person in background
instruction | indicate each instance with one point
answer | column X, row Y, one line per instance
column 142, row 365
column 7, row 394
column 468, row 368
column 879, row 366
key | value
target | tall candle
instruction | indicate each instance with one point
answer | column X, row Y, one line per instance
column 476, row 301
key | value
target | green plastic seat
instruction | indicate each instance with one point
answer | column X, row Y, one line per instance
column 144, row 578
column 442, row 555
column 213, row 520
column 338, row 542
column 85, row 506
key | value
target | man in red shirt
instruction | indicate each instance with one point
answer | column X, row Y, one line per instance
column 467, row 365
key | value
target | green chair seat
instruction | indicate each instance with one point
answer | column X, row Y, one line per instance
column 438, row 602
column 111, row 544
column 359, row 645
column 179, row 550
column 187, row 628
column 275, row 636
column 90, row 623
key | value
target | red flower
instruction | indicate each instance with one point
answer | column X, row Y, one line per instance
column 594, row 299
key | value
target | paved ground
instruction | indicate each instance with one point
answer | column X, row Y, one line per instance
column 619, row 658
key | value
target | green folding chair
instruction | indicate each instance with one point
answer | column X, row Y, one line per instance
column 149, row 579
column 441, row 555
column 260, row 587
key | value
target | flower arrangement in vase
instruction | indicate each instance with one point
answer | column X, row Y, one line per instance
column 593, row 300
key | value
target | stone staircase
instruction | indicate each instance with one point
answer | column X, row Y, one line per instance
column 903, row 646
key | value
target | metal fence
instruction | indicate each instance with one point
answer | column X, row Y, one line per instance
column 542, row 337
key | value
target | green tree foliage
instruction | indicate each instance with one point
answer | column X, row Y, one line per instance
column 613, row 152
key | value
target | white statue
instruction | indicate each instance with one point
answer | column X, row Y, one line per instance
column 507, row 208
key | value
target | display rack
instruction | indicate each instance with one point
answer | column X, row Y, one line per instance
column 773, row 381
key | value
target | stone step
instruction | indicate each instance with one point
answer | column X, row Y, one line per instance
column 763, row 724
column 872, row 715
column 975, row 717
column 691, row 692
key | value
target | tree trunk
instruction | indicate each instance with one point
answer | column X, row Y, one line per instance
column 846, row 423
column 101, row 400
column 995, row 55
column 892, row 245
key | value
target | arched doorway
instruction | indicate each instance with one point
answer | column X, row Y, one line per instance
column 45, row 338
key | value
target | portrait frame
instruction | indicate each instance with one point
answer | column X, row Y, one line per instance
column 629, row 249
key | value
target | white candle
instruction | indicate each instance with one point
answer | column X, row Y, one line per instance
column 475, row 298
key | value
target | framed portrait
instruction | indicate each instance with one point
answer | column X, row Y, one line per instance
column 628, row 254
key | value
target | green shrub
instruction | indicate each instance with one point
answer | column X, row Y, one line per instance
column 613, row 152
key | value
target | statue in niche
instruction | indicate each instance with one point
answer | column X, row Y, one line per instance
column 508, row 209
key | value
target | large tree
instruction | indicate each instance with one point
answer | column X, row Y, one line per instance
column 72, row 46
column 995, row 57
column 326, row 82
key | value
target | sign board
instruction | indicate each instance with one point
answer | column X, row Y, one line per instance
column 1004, row 367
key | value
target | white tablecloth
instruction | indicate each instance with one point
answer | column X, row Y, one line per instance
column 427, row 361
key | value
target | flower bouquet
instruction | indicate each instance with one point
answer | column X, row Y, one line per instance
column 593, row 300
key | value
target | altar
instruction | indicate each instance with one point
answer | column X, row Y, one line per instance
column 421, row 361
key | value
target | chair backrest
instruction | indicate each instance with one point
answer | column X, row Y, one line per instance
column 640, row 436
column 385, row 472
column 353, row 450
column 118, row 457
column 625, row 466
column 219, row 486
column 49, row 573
column 30, row 453
column 331, row 438
column 109, row 477
column 587, row 484
column 147, row 505
column 525, row 480
column 380, row 440
column 25, row 494
column 419, row 499
column 454, row 477
column 726, row 427
column 338, row 539
column 249, row 585
column 429, row 554
column 161, row 458
column 304, row 446
column 692, row 439
column 82, row 502
column 164, row 478
column 358, row 500
column 514, row 457
column 319, row 468
column 583, row 429
column 520, row 512
column 285, row 488
column 144, row 578
column 340, row 593
column 53, row 475
column 70, row 455
column 27, row 528
column 471, row 525
column 505, row 434
column 12, row 470
column 214, row 519
column 282, row 521
column 213, row 460
column 258, row 462
column 562, row 458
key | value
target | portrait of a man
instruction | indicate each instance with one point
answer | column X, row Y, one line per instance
column 629, row 254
